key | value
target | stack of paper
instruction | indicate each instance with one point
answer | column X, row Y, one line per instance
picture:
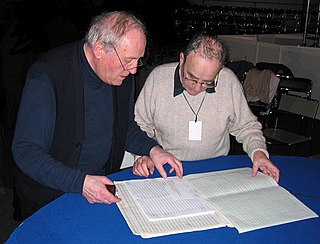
column 157, row 207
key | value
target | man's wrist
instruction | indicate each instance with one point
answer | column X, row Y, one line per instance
column 259, row 153
column 155, row 149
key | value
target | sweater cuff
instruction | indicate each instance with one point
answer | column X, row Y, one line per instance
column 259, row 149
column 78, row 183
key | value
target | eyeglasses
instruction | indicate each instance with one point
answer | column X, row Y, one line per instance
column 210, row 84
column 128, row 68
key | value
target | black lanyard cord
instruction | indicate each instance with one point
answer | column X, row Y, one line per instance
column 196, row 114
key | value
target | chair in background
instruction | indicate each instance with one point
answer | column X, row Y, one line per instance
column 260, row 88
column 293, row 126
column 279, row 69
column 284, row 73
column 240, row 68
column 296, row 86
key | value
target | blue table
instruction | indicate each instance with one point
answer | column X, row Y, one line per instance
column 71, row 219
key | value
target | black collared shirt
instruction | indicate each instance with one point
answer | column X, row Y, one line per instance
column 178, row 88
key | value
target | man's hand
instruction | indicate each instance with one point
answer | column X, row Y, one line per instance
column 261, row 161
column 161, row 157
column 143, row 166
column 95, row 191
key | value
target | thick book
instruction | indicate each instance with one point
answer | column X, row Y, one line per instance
column 233, row 198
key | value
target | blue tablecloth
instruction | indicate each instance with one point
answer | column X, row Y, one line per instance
column 71, row 219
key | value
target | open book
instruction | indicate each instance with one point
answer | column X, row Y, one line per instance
column 157, row 207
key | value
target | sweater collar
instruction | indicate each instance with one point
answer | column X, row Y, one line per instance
column 178, row 88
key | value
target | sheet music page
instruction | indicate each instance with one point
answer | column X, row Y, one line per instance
column 167, row 198
column 141, row 225
column 261, row 208
column 249, row 202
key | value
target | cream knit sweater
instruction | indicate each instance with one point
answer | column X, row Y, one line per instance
column 166, row 118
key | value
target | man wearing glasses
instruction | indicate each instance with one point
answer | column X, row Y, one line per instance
column 192, row 106
column 76, row 116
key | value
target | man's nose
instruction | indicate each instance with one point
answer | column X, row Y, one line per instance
column 133, row 70
column 197, row 87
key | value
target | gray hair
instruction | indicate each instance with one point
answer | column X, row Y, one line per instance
column 110, row 28
column 209, row 46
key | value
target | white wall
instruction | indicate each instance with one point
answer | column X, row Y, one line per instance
column 304, row 61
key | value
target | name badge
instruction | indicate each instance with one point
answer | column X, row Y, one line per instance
column 195, row 129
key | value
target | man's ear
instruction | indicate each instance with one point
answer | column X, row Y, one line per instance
column 98, row 49
column 182, row 58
